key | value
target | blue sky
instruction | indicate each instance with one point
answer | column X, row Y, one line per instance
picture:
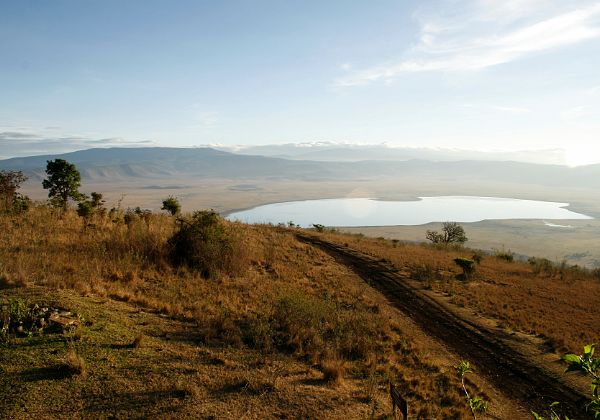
column 470, row 74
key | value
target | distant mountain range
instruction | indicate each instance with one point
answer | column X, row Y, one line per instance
column 117, row 164
column 329, row 151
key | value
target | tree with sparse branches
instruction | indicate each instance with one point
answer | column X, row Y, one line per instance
column 451, row 232
column 63, row 182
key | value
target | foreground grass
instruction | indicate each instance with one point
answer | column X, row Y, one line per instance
column 289, row 332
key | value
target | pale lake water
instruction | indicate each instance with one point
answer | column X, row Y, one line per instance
column 350, row 212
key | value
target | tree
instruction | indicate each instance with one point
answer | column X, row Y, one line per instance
column 63, row 182
column 452, row 232
column 171, row 204
column 10, row 199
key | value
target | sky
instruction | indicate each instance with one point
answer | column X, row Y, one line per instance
column 461, row 74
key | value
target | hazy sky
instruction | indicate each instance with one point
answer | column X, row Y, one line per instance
column 473, row 74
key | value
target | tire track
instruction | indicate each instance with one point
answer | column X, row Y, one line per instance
column 489, row 350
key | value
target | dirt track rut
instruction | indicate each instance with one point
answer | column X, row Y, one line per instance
column 509, row 370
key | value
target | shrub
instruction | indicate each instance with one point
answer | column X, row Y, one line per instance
column 12, row 201
column 299, row 322
column 477, row 256
column 541, row 265
column 85, row 209
column 205, row 242
column 318, row 227
column 504, row 254
column 333, row 371
column 467, row 265
column 172, row 205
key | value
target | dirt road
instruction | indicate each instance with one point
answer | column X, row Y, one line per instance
column 489, row 350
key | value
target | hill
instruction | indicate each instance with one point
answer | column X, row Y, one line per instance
column 284, row 329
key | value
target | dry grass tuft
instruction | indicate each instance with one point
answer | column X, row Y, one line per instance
column 333, row 371
column 73, row 364
column 138, row 341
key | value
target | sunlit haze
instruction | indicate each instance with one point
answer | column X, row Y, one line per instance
column 484, row 75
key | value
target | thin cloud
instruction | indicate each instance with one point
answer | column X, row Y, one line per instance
column 499, row 108
column 14, row 143
column 511, row 109
column 449, row 45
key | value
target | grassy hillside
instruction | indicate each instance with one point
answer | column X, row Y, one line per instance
column 281, row 330
column 292, row 327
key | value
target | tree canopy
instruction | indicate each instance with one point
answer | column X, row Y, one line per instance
column 62, row 183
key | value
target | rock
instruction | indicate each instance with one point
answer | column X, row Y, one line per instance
column 61, row 322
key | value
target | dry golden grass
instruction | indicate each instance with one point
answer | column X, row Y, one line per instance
column 74, row 364
column 560, row 306
column 289, row 299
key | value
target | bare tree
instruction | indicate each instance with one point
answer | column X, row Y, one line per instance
column 452, row 232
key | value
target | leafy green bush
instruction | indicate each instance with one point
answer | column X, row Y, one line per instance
column 205, row 242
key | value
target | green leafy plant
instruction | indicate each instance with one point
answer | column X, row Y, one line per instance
column 553, row 414
column 476, row 404
column 589, row 365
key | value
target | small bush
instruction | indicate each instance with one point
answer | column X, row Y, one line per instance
column 467, row 266
column 477, row 256
column 318, row 227
column 504, row 254
column 205, row 242
column 171, row 205
column 541, row 265
column 333, row 371
column 300, row 323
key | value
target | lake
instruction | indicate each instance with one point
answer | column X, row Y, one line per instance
column 352, row 212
